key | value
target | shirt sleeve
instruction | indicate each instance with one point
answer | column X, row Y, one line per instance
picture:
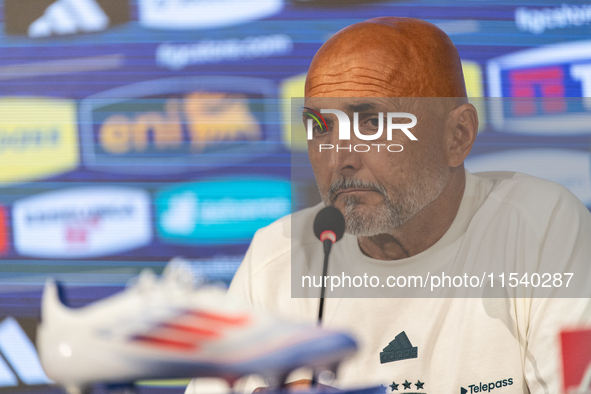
column 241, row 285
column 565, row 248
column 542, row 352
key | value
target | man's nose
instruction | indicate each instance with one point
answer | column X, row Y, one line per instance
column 344, row 160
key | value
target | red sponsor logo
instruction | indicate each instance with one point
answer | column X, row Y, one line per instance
column 576, row 360
column 549, row 80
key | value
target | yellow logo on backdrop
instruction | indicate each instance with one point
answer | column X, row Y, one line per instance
column 38, row 138
column 294, row 87
column 473, row 79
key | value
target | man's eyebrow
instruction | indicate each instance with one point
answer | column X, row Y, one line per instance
column 363, row 107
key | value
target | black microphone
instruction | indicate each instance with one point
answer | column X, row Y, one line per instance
column 329, row 227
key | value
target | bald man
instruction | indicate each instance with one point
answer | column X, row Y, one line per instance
column 418, row 210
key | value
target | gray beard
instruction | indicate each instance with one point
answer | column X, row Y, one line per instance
column 389, row 215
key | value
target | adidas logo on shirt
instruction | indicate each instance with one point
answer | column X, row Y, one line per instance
column 399, row 349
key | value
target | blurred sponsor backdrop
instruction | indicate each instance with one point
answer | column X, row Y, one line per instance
column 134, row 131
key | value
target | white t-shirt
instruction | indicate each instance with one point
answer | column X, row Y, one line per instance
column 441, row 345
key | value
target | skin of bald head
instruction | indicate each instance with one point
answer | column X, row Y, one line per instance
column 417, row 62
column 387, row 57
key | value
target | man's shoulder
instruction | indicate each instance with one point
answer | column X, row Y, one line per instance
column 280, row 237
column 528, row 194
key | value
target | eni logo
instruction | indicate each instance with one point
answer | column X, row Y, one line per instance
column 192, row 122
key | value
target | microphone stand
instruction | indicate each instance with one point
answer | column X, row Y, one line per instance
column 327, row 244
column 329, row 227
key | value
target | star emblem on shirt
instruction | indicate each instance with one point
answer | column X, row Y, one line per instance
column 394, row 386
column 419, row 384
column 406, row 384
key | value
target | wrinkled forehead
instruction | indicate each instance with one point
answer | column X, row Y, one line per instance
column 370, row 71
column 374, row 60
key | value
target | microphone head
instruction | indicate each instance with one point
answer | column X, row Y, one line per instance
column 329, row 224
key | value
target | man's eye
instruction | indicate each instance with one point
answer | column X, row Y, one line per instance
column 319, row 130
column 374, row 122
column 370, row 126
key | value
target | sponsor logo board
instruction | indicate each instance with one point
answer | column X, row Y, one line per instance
column 179, row 56
column 538, row 20
column 18, row 351
column 228, row 211
column 474, row 89
column 292, row 88
column 82, row 222
column 570, row 168
column 45, row 18
column 220, row 267
column 38, row 138
column 179, row 124
column 333, row 3
column 539, row 82
column 203, row 14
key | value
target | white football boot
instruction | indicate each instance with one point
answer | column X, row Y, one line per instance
column 161, row 328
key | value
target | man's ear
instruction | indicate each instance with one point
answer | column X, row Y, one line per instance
column 461, row 130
